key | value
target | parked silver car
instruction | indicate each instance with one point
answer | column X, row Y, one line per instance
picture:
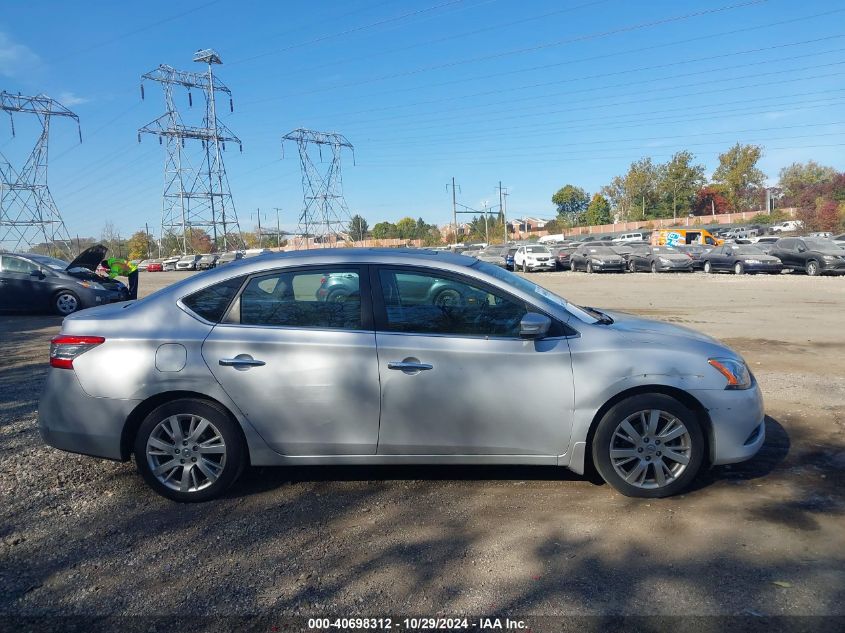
column 249, row 364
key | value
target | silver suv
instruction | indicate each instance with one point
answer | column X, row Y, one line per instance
column 252, row 364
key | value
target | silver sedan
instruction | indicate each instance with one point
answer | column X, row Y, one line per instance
column 259, row 363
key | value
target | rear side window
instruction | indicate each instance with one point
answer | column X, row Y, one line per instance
column 211, row 303
column 329, row 299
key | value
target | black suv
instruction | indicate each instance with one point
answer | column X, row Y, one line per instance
column 813, row 255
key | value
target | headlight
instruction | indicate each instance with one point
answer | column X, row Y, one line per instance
column 663, row 260
column 734, row 370
column 830, row 258
column 599, row 261
column 90, row 284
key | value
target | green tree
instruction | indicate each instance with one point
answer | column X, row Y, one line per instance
column 141, row 246
column 641, row 186
column 571, row 202
column 198, row 241
column 384, row 230
column 798, row 176
column 358, row 228
column 680, row 180
column 406, row 229
column 618, row 196
column 740, row 176
column 598, row 211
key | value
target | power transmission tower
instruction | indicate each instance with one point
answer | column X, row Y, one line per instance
column 195, row 197
column 28, row 213
column 325, row 216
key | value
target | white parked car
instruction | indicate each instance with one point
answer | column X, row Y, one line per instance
column 531, row 258
column 629, row 237
column 788, row 225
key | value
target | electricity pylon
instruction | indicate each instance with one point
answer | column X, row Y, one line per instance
column 195, row 197
column 28, row 213
column 325, row 217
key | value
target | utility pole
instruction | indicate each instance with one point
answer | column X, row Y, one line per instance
column 278, row 228
column 454, row 211
column 502, row 195
column 712, row 207
column 147, row 233
column 258, row 212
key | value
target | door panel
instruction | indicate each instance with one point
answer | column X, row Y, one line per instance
column 316, row 391
column 456, row 379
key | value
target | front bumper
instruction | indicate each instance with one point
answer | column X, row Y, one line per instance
column 837, row 268
column 737, row 419
column 549, row 265
column 763, row 268
column 71, row 420
column 675, row 268
column 609, row 268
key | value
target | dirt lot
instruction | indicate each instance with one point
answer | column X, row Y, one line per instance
column 85, row 536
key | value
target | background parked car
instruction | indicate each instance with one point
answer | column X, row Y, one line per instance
column 740, row 259
column 813, row 256
column 508, row 257
column 660, row 259
column 492, row 255
column 207, row 261
column 596, row 258
column 562, row 254
column 142, row 265
column 155, row 266
column 188, row 262
column 41, row 284
column 169, row 263
column 228, row 257
column 695, row 252
column 839, row 240
column 765, row 244
column 531, row 258
column 787, row 226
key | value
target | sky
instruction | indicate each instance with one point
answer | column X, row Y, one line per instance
column 535, row 94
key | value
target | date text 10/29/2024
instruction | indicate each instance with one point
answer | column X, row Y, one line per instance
column 417, row 624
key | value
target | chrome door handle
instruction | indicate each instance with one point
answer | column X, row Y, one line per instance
column 241, row 362
column 409, row 366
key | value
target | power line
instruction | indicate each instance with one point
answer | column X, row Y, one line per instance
column 529, row 49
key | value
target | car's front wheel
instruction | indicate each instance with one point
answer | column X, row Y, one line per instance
column 739, row 269
column 632, row 267
column 189, row 450
column 813, row 268
column 65, row 302
column 708, row 267
column 648, row 445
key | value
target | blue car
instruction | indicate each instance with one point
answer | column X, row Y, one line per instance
column 509, row 258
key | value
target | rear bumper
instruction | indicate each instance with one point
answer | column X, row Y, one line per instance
column 737, row 418
column 71, row 420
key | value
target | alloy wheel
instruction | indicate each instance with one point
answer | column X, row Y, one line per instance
column 186, row 453
column 650, row 449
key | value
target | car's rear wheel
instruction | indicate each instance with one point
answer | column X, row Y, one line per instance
column 189, row 450
column 708, row 268
column 589, row 266
column 653, row 267
column 65, row 302
column 813, row 268
column 525, row 266
column 648, row 445
column 739, row 269
column 632, row 266
column 572, row 266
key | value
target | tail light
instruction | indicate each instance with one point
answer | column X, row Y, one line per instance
column 63, row 349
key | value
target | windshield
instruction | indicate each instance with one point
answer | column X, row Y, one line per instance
column 538, row 249
column 665, row 250
column 540, row 293
column 747, row 249
column 601, row 250
column 52, row 262
column 826, row 246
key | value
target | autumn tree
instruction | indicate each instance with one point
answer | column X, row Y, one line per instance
column 739, row 175
column 199, row 241
column 598, row 211
column 571, row 202
column 799, row 176
column 710, row 200
column 141, row 246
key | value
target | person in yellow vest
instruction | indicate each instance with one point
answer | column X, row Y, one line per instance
column 118, row 266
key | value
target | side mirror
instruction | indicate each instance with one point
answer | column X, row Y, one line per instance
column 534, row 326
column 37, row 274
column 801, row 249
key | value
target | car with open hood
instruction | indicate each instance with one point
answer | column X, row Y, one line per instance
column 31, row 282
column 251, row 365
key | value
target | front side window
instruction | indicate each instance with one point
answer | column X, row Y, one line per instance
column 424, row 303
column 327, row 299
column 17, row 265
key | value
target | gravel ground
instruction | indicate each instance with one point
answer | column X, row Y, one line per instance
column 85, row 536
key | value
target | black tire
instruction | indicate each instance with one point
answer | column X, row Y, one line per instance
column 572, row 266
column 602, row 441
column 653, row 267
column 708, row 267
column 632, row 267
column 525, row 266
column 589, row 266
column 65, row 302
column 739, row 268
column 337, row 296
column 235, row 448
column 813, row 268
